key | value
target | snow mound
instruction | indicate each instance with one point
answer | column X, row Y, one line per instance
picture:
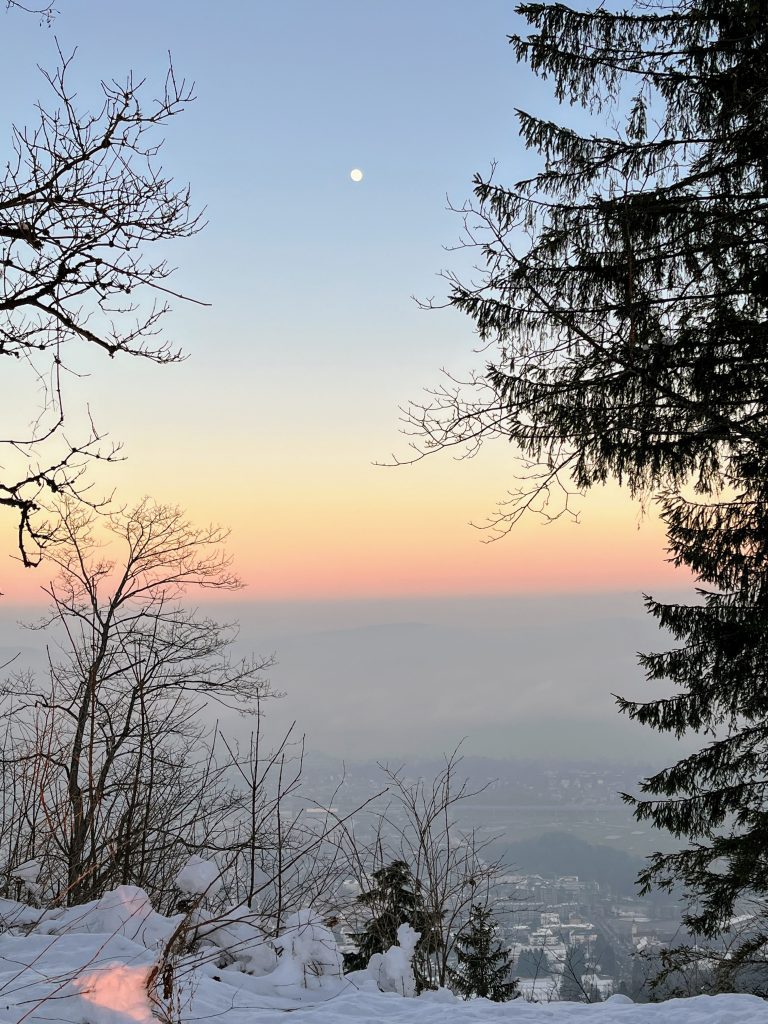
column 28, row 872
column 125, row 911
column 309, row 956
column 116, row 986
column 198, row 877
column 76, row 978
column 58, row 966
column 240, row 939
column 393, row 970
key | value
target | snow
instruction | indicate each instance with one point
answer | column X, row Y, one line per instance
column 124, row 911
column 198, row 876
column 239, row 938
column 392, row 971
column 309, row 956
column 28, row 872
column 121, row 986
column 540, row 990
column 90, row 965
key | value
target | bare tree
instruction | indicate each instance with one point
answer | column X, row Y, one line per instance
column 45, row 11
column 83, row 202
column 450, row 866
column 125, row 776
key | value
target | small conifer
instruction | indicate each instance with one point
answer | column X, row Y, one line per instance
column 392, row 900
column 483, row 967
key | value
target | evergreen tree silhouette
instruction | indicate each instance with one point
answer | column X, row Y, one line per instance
column 622, row 309
column 393, row 900
column 483, row 967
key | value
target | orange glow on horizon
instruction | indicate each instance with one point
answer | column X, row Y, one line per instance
column 350, row 551
column 339, row 528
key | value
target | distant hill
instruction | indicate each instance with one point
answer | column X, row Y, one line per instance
column 558, row 853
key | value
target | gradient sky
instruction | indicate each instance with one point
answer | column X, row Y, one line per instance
column 312, row 341
column 295, row 373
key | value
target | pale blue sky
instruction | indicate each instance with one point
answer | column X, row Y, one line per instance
column 291, row 96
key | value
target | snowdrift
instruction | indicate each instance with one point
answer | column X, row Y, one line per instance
column 90, row 965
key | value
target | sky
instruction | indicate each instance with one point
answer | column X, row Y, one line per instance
column 312, row 341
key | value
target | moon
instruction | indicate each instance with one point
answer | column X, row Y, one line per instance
column 356, row 174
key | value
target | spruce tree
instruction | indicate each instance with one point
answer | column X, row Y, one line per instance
column 393, row 900
column 483, row 967
column 715, row 797
column 624, row 313
column 623, row 309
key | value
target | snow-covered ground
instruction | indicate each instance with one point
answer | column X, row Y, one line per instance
column 90, row 965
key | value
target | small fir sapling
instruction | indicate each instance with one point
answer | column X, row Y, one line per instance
column 484, row 966
column 392, row 901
